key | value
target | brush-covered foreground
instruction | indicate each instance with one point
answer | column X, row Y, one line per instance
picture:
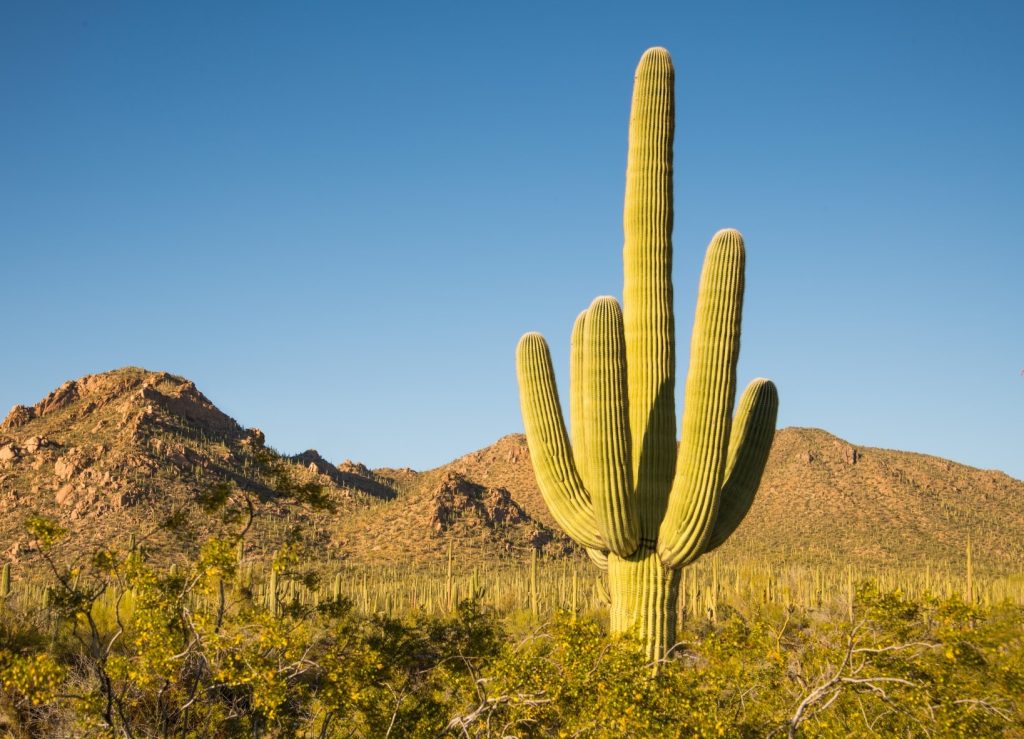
column 115, row 645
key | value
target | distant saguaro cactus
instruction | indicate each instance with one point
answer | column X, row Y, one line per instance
column 273, row 602
column 621, row 488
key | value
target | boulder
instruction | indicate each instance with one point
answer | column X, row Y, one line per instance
column 254, row 438
column 65, row 468
column 62, row 397
column 19, row 416
column 65, row 494
column 34, row 443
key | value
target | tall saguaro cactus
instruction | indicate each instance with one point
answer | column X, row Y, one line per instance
column 643, row 506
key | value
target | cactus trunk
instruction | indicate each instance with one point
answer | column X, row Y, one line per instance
column 643, row 600
column 640, row 501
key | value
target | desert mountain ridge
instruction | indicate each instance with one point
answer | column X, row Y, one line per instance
column 112, row 452
column 117, row 452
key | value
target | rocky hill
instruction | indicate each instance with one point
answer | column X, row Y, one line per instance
column 115, row 453
column 824, row 499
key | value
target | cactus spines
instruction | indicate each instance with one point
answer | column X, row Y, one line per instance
column 640, row 505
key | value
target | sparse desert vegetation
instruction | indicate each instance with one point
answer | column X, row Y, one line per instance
column 112, row 643
column 166, row 573
column 241, row 592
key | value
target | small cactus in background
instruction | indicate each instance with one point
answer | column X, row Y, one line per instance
column 273, row 604
column 5, row 581
column 643, row 508
column 534, row 597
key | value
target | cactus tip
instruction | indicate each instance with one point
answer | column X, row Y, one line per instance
column 659, row 52
column 531, row 337
column 656, row 62
column 605, row 300
column 730, row 234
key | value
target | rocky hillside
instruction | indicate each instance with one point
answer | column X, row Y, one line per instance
column 116, row 452
column 486, row 521
column 823, row 498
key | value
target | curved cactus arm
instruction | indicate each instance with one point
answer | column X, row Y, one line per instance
column 753, row 430
column 577, row 393
column 647, row 289
column 707, row 415
column 559, row 482
column 599, row 558
column 606, row 427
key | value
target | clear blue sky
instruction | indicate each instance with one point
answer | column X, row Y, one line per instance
column 338, row 218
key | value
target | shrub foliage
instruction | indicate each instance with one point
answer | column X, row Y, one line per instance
column 127, row 648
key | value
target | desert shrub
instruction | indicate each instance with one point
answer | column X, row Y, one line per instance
column 126, row 647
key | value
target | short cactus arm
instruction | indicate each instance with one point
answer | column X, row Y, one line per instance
column 606, row 427
column 707, row 415
column 753, row 430
column 559, row 482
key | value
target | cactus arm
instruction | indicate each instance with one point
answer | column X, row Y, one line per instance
column 559, row 482
column 599, row 558
column 606, row 427
column 647, row 289
column 707, row 415
column 577, row 393
column 753, row 430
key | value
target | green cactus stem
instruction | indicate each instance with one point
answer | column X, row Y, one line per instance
column 273, row 603
column 5, row 581
column 534, row 598
column 643, row 505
